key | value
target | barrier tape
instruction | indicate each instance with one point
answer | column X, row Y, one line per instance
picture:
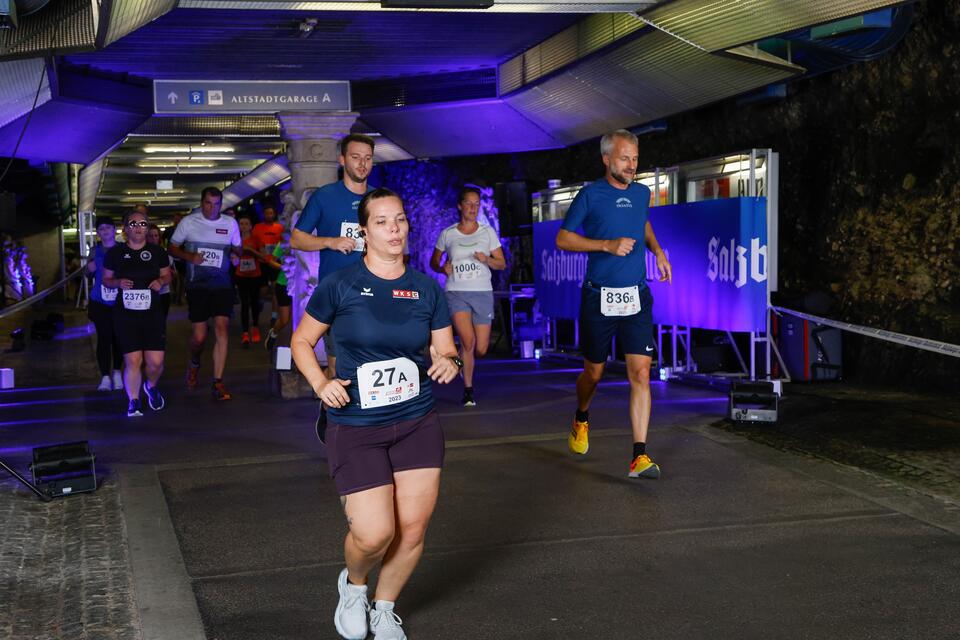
column 37, row 297
column 943, row 348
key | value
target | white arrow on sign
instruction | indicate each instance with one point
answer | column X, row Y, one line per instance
column 172, row 97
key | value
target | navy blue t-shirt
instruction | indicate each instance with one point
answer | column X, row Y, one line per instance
column 606, row 213
column 328, row 208
column 379, row 320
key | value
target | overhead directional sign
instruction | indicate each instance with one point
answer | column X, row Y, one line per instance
column 249, row 96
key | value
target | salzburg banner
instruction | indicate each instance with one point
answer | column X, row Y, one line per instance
column 718, row 250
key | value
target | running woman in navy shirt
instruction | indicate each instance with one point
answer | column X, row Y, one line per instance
column 608, row 218
column 384, row 442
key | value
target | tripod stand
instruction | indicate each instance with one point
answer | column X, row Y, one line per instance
column 24, row 481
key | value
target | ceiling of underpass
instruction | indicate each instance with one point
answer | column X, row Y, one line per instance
column 515, row 77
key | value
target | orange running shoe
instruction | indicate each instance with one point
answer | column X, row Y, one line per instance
column 579, row 438
column 220, row 392
column 644, row 467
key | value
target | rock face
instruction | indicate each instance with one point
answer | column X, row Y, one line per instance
column 869, row 189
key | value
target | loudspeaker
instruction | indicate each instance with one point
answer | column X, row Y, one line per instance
column 513, row 205
column 753, row 402
column 62, row 469
column 8, row 211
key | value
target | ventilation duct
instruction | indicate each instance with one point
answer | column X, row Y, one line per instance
column 263, row 177
column 89, row 185
column 18, row 87
column 71, row 26
column 120, row 17
column 715, row 25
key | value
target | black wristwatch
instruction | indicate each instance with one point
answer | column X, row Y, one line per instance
column 457, row 361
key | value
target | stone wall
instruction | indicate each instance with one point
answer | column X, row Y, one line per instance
column 869, row 189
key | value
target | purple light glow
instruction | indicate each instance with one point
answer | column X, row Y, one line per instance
column 114, row 417
column 75, row 333
column 43, row 389
column 29, row 403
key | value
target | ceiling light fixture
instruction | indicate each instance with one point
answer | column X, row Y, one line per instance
column 187, row 148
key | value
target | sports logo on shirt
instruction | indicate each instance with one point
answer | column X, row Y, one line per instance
column 366, row 292
column 145, row 256
column 223, row 232
column 623, row 203
column 406, row 293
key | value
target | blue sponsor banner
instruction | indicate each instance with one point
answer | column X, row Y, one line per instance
column 557, row 274
column 718, row 251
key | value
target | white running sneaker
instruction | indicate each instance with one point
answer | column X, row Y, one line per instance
column 351, row 616
column 105, row 384
column 384, row 623
column 117, row 380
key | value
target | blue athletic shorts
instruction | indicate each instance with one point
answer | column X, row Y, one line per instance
column 634, row 333
column 479, row 304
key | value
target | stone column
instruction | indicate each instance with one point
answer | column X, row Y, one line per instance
column 312, row 157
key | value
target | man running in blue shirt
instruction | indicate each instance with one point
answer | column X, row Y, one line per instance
column 331, row 214
column 607, row 219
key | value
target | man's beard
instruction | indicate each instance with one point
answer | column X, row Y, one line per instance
column 619, row 177
column 354, row 176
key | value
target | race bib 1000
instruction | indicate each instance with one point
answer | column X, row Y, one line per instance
column 619, row 302
column 466, row 270
column 211, row 257
column 388, row 382
column 107, row 294
column 352, row 230
column 136, row 299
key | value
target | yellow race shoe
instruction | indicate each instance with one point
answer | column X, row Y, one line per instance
column 579, row 438
column 644, row 467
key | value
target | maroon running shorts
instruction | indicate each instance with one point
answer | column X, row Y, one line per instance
column 362, row 458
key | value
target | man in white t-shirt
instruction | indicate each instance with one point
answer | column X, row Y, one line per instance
column 472, row 250
column 210, row 244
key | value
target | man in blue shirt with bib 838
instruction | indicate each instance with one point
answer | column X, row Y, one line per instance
column 331, row 212
column 612, row 215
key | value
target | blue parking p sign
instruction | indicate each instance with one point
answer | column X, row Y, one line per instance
column 196, row 97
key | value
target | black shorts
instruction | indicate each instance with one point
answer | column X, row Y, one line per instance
column 634, row 333
column 283, row 296
column 140, row 330
column 362, row 458
column 203, row 304
column 268, row 274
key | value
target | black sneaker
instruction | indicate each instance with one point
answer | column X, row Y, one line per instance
column 321, row 425
column 271, row 340
column 154, row 398
column 467, row 399
column 133, row 409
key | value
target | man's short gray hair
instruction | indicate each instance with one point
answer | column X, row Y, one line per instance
column 606, row 142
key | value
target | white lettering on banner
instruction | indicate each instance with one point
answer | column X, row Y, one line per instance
column 562, row 266
column 729, row 263
column 280, row 99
